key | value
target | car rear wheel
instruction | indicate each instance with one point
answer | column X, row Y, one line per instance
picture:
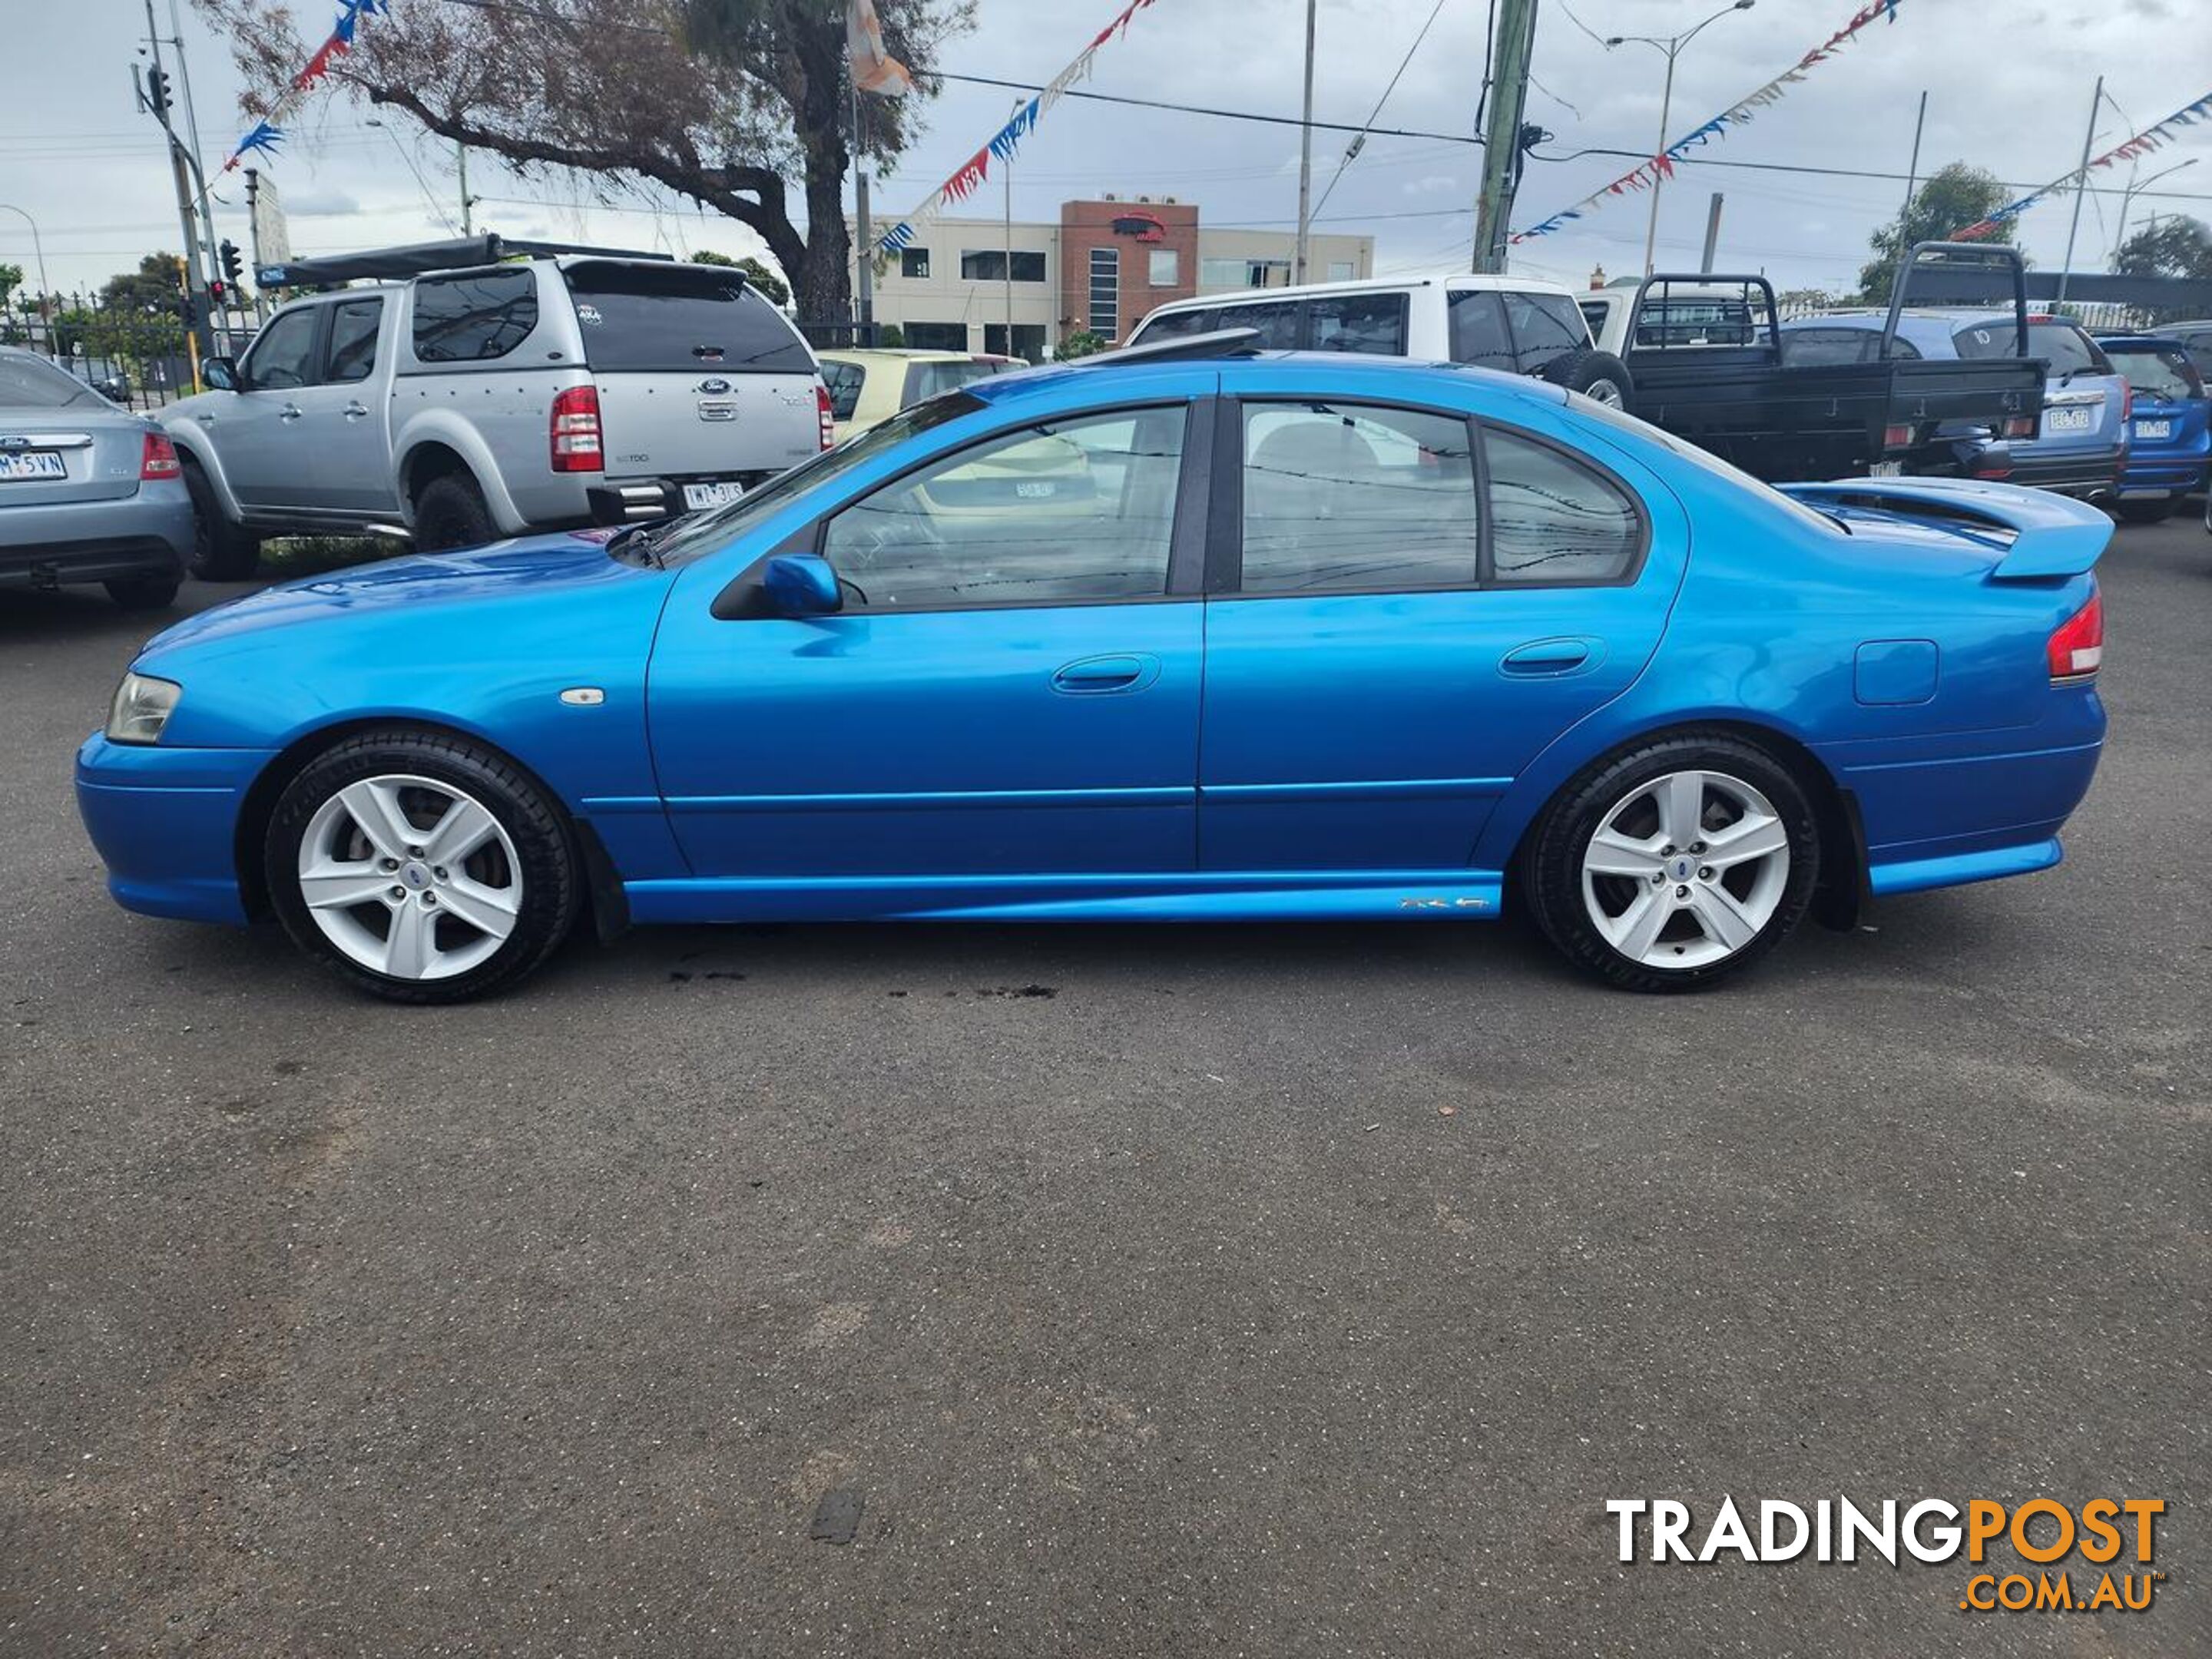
column 1598, row 375
column 222, row 551
column 451, row 514
column 1676, row 865
column 143, row 593
column 421, row 868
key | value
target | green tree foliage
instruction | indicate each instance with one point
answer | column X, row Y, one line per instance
column 11, row 278
column 1081, row 344
column 772, row 287
column 140, row 314
column 1954, row 198
column 2176, row 247
column 891, row 337
column 730, row 103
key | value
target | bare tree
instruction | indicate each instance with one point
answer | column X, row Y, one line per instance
column 726, row 102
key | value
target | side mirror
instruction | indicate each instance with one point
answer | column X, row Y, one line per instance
column 802, row 585
column 220, row 374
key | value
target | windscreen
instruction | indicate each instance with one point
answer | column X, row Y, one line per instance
column 672, row 318
column 27, row 383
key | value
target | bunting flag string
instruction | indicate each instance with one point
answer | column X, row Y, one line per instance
column 976, row 170
column 265, row 134
column 2152, row 138
column 1661, row 166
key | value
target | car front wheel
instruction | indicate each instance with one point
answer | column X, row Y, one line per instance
column 1676, row 865
column 419, row 867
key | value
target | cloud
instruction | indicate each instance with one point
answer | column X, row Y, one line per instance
column 321, row 204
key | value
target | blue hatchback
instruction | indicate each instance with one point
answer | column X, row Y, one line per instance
column 2170, row 425
column 1200, row 637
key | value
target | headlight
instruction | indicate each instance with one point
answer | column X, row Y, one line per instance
column 143, row 706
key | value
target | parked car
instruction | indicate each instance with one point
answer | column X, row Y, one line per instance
column 1436, row 626
column 2169, row 425
column 110, row 381
column 479, row 399
column 1516, row 324
column 2080, row 437
column 89, row 492
column 2195, row 334
column 869, row 386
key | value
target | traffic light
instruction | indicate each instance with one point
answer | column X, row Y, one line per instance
column 233, row 267
column 157, row 92
column 215, row 293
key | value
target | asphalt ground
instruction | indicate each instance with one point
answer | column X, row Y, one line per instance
column 1273, row 1291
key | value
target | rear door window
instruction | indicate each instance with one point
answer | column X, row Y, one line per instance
column 1374, row 324
column 1552, row 519
column 1167, row 324
column 354, row 325
column 1276, row 319
column 475, row 317
column 1546, row 328
column 673, row 319
column 1478, row 330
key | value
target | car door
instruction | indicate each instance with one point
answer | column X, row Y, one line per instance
column 1408, row 609
column 343, row 436
column 1011, row 690
column 260, row 430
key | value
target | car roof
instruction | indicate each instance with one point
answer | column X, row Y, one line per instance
column 2143, row 341
column 1455, row 282
column 1111, row 380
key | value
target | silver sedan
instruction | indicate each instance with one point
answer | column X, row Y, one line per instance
column 89, row 492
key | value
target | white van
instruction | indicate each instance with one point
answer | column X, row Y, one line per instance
column 1514, row 323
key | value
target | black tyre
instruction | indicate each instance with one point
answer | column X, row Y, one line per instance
column 2157, row 512
column 144, row 592
column 451, row 514
column 222, row 551
column 1675, row 864
column 421, row 868
column 1598, row 375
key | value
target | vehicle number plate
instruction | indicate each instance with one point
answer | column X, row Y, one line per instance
column 699, row 496
column 1887, row 470
column 31, row 463
column 2067, row 419
column 2154, row 429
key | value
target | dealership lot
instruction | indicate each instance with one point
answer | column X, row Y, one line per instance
column 1257, row 1291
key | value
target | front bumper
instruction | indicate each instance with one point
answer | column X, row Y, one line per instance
column 164, row 822
column 145, row 534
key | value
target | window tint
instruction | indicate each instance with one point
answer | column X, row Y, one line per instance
column 1071, row 511
column 353, row 338
column 1276, row 319
column 1350, row 497
column 2068, row 350
column 679, row 319
column 927, row 379
column 282, row 354
column 1478, row 330
column 2157, row 370
column 1373, row 323
column 1809, row 346
column 1546, row 328
column 1167, row 324
column 471, row 318
column 1553, row 520
column 29, row 383
column 844, row 381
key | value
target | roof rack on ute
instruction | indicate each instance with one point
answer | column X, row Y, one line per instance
column 1214, row 343
column 419, row 258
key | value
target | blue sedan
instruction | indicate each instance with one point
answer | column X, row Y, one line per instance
column 1199, row 634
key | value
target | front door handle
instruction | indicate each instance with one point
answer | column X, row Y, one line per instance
column 1091, row 676
column 289, row 412
column 355, row 411
column 1540, row 657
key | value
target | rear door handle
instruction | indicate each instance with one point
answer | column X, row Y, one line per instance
column 1091, row 676
column 355, row 411
column 289, row 412
column 1540, row 657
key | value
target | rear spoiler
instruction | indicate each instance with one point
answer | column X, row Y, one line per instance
column 2048, row 535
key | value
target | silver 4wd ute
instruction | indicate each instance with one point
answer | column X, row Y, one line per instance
column 484, row 395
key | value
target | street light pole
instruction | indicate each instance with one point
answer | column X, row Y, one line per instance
column 1670, row 45
column 1305, row 158
column 2129, row 195
column 39, row 250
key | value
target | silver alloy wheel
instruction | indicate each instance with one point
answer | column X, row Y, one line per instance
column 1685, row 870
column 1606, row 393
column 410, row 878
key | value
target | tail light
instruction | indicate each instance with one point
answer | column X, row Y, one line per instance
column 2019, row 425
column 2127, row 398
column 829, row 416
column 157, row 458
column 575, row 430
column 1897, row 437
column 1999, row 472
column 2078, row 649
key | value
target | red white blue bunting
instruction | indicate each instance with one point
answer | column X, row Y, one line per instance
column 2154, row 136
column 264, row 136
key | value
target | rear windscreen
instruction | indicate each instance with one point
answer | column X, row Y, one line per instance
column 2163, row 372
column 27, row 383
column 680, row 319
column 2066, row 348
column 926, row 379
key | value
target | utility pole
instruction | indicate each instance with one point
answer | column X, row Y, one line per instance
column 1305, row 159
column 200, row 335
column 864, row 250
column 2081, row 188
column 1006, row 173
column 253, row 237
column 1712, row 233
column 468, row 201
column 1913, row 168
column 192, row 127
column 1510, row 47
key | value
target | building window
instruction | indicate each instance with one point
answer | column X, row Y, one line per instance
column 1223, row 273
column 1164, row 268
column 1028, row 341
column 988, row 265
column 914, row 262
column 1105, row 312
column 1343, row 270
column 937, row 336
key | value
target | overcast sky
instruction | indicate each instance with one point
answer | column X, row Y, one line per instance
column 2009, row 89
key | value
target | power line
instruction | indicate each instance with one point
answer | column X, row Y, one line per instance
column 1361, row 143
column 1201, row 109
